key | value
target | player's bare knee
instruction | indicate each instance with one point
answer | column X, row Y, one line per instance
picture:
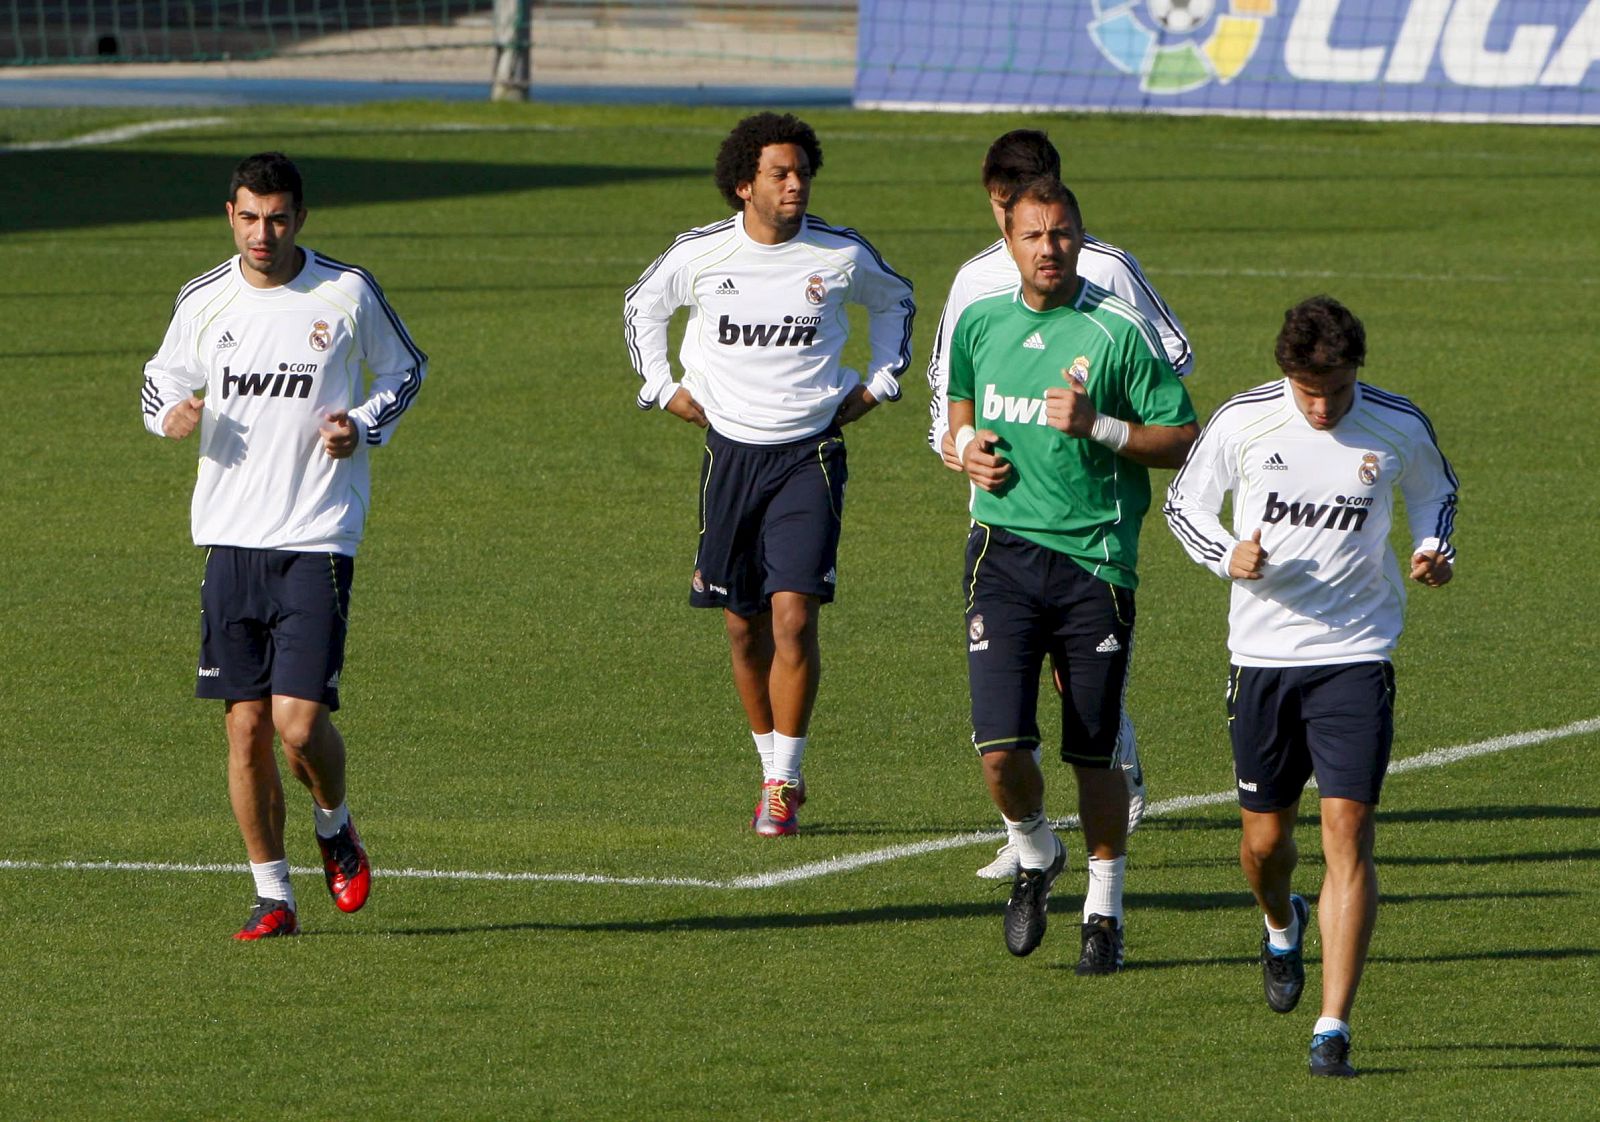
column 748, row 631
column 794, row 625
column 1267, row 847
column 1264, row 852
column 298, row 729
column 249, row 730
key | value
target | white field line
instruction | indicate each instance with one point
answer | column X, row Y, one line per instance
column 116, row 135
column 1439, row 757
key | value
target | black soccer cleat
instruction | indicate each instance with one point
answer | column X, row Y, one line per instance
column 1330, row 1055
column 1283, row 974
column 1026, row 911
column 1102, row 947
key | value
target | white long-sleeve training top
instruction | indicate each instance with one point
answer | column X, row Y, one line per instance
column 767, row 326
column 1323, row 499
column 272, row 364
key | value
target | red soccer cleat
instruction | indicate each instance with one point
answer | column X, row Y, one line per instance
column 775, row 813
column 270, row 919
column 344, row 865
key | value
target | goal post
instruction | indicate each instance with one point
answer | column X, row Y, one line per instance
column 513, row 51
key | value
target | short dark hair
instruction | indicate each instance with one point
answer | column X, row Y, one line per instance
column 740, row 154
column 267, row 173
column 1018, row 156
column 1320, row 335
column 1044, row 189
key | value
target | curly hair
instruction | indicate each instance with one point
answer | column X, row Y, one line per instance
column 1018, row 156
column 740, row 154
column 1045, row 189
column 1319, row 335
column 267, row 173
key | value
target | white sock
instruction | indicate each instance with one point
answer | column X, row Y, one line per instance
column 330, row 822
column 1331, row 1024
column 1286, row 939
column 787, row 751
column 1104, row 897
column 764, row 750
column 1033, row 839
column 272, row 880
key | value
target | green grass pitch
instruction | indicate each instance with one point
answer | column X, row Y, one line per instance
column 527, row 692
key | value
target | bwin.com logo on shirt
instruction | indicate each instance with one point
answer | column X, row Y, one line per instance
column 794, row 331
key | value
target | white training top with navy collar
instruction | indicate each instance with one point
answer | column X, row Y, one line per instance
column 767, row 326
column 1323, row 499
column 272, row 364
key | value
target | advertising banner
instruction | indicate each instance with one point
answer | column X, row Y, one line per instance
column 1470, row 60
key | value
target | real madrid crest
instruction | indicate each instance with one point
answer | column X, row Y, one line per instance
column 1368, row 471
column 816, row 291
column 975, row 628
column 1079, row 370
column 321, row 335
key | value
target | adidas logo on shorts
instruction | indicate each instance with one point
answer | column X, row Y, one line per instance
column 1108, row 645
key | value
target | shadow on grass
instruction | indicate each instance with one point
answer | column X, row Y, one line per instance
column 1490, row 858
column 1501, row 954
column 1500, row 1047
column 1135, row 963
column 1488, row 814
column 894, row 913
column 1311, row 820
column 66, row 189
column 921, row 913
column 115, row 352
column 400, row 291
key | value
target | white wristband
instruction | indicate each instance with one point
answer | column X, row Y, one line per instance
column 1110, row 432
column 965, row 435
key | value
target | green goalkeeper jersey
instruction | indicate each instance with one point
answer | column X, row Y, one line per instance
column 1066, row 493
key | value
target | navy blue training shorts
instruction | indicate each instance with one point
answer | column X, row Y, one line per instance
column 1288, row 723
column 273, row 622
column 1025, row 603
column 770, row 516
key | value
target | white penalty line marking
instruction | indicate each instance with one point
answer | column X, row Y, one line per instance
column 116, row 135
column 1439, row 757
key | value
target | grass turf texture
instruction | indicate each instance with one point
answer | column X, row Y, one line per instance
column 526, row 690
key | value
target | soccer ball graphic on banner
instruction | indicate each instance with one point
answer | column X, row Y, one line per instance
column 1180, row 15
column 1175, row 46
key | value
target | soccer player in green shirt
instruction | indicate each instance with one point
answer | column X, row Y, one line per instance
column 1076, row 399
